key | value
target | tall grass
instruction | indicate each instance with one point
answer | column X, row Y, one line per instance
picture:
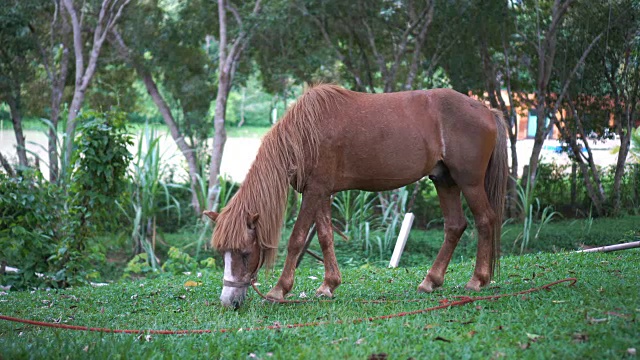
column 354, row 214
column 146, row 189
column 534, row 216
column 361, row 217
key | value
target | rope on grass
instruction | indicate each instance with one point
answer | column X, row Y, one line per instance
column 462, row 300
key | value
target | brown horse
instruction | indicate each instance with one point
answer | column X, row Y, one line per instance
column 334, row 139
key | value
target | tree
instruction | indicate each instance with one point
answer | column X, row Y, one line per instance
column 607, row 90
column 52, row 34
column 167, row 49
column 229, row 53
column 16, row 55
column 379, row 43
column 108, row 15
column 547, row 19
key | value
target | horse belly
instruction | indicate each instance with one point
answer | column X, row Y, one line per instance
column 388, row 162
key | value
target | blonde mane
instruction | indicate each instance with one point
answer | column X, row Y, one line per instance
column 289, row 151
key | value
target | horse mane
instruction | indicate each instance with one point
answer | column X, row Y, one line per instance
column 289, row 151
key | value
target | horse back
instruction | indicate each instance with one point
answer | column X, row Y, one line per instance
column 378, row 142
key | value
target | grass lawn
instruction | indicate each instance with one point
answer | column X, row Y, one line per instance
column 599, row 317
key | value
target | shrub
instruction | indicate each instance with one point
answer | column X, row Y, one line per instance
column 37, row 235
column 45, row 228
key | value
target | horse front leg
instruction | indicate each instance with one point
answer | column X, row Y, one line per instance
column 332, row 277
column 301, row 228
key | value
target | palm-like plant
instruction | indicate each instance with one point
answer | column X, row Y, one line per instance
column 146, row 188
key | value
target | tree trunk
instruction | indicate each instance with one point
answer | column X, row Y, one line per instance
column 546, row 49
column 187, row 151
column 109, row 14
column 227, row 64
column 16, row 119
column 625, row 129
column 574, row 186
column 57, row 90
column 7, row 167
column 219, row 139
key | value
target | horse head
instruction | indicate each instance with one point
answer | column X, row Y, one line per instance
column 243, row 256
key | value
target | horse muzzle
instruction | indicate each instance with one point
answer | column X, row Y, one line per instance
column 233, row 293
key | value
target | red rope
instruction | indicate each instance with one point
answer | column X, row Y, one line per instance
column 444, row 304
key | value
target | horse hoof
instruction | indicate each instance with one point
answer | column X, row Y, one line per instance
column 324, row 290
column 426, row 287
column 276, row 294
column 473, row 285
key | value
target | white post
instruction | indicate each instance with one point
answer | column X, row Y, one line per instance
column 608, row 248
column 402, row 239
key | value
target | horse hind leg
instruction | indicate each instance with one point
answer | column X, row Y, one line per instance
column 485, row 219
column 454, row 225
column 332, row 277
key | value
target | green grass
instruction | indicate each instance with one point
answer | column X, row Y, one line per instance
column 562, row 235
column 596, row 318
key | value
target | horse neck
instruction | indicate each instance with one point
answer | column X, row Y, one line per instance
column 264, row 192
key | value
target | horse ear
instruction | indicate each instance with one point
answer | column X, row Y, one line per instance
column 211, row 215
column 252, row 219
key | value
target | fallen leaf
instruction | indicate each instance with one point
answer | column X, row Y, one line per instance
column 86, row 348
column 440, row 338
column 534, row 337
column 191, row 283
column 359, row 341
column 339, row 340
column 579, row 337
column 471, row 333
column 596, row 321
column 612, row 313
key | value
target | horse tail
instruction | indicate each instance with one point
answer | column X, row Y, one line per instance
column 495, row 184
